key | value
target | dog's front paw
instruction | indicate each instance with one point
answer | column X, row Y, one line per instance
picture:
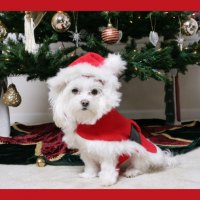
column 108, row 179
column 87, row 175
column 130, row 173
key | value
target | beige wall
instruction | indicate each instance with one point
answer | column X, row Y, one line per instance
column 145, row 99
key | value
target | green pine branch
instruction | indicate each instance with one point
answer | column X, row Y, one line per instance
column 15, row 60
column 148, row 62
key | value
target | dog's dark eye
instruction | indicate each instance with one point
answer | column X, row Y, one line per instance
column 75, row 91
column 94, row 92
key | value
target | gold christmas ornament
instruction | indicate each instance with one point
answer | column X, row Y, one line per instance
column 60, row 22
column 40, row 162
column 190, row 27
column 12, row 97
column 110, row 35
column 3, row 31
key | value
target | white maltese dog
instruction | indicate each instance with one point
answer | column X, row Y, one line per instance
column 83, row 97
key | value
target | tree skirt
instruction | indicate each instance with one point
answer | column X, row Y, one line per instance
column 178, row 139
column 29, row 143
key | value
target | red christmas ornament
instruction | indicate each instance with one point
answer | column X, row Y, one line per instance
column 110, row 35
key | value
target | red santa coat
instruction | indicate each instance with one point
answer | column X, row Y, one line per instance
column 115, row 127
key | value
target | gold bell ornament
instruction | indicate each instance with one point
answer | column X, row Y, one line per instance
column 40, row 162
column 12, row 97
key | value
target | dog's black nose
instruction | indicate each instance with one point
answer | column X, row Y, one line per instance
column 85, row 103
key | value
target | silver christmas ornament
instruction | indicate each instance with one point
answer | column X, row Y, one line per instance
column 61, row 22
column 190, row 27
column 3, row 31
column 196, row 16
column 77, row 36
column 153, row 37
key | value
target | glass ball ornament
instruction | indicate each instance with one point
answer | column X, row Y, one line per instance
column 3, row 31
column 196, row 16
column 40, row 162
column 60, row 22
column 190, row 27
column 110, row 35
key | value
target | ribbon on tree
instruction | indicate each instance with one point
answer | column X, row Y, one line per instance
column 31, row 21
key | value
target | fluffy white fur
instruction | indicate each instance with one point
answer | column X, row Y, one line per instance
column 73, row 85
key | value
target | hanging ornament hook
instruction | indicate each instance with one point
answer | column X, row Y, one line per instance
column 109, row 23
column 76, row 35
column 75, row 14
column 180, row 39
column 153, row 27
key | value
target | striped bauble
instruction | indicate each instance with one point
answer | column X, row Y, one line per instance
column 110, row 35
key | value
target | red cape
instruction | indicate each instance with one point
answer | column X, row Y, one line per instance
column 113, row 127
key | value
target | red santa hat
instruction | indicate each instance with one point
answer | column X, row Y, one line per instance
column 92, row 58
column 89, row 65
column 112, row 63
column 94, row 65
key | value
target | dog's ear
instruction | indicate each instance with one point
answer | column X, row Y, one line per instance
column 115, row 64
column 57, row 84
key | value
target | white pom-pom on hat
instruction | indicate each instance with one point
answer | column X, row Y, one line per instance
column 114, row 63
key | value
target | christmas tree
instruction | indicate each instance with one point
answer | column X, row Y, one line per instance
column 166, row 51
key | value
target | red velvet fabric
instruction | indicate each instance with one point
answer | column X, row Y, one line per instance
column 92, row 58
column 113, row 127
column 53, row 146
column 48, row 134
